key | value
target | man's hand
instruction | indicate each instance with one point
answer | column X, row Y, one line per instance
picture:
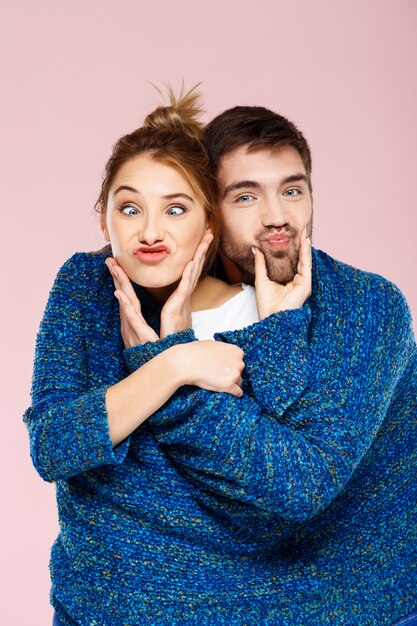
column 272, row 297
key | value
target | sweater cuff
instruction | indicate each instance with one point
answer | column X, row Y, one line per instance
column 104, row 453
column 139, row 355
column 73, row 437
column 276, row 356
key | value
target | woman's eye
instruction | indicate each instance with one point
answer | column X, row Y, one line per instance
column 292, row 193
column 129, row 209
column 176, row 210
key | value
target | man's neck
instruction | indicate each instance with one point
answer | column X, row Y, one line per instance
column 232, row 273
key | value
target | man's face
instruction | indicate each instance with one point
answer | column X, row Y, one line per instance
column 265, row 202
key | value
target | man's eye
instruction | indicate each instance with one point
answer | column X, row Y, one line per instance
column 129, row 209
column 245, row 198
column 292, row 193
column 176, row 210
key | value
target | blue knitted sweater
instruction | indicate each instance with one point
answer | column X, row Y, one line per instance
column 293, row 505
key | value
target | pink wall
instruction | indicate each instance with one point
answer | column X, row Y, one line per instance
column 75, row 77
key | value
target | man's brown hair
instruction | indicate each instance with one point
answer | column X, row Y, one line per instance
column 257, row 128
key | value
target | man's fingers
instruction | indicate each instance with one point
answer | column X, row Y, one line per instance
column 261, row 273
column 305, row 260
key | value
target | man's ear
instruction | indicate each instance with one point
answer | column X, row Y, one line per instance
column 104, row 226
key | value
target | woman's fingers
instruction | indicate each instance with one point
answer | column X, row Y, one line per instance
column 184, row 289
column 199, row 259
column 191, row 274
column 193, row 269
column 201, row 251
column 122, row 282
column 176, row 313
column 128, row 310
column 236, row 391
column 134, row 328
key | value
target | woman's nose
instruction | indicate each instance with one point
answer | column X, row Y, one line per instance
column 151, row 231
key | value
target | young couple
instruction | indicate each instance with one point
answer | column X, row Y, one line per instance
column 261, row 477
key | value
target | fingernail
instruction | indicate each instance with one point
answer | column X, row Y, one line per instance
column 253, row 249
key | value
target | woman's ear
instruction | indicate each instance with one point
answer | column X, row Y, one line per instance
column 104, row 226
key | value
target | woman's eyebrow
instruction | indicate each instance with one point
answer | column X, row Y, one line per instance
column 125, row 188
column 172, row 196
column 249, row 184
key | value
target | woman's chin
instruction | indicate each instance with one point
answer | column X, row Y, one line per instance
column 148, row 283
column 161, row 289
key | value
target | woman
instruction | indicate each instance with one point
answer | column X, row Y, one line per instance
column 150, row 501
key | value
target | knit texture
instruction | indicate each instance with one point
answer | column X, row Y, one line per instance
column 293, row 505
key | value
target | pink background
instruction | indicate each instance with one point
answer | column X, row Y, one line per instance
column 75, row 77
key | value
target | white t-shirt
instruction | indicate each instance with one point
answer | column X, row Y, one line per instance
column 238, row 312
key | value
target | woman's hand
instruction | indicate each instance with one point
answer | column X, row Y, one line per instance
column 176, row 312
column 210, row 365
column 133, row 326
column 272, row 297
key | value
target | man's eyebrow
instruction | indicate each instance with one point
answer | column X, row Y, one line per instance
column 248, row 184
column 295, row 178
column 252, row 184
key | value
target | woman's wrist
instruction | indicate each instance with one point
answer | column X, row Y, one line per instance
column 180, row 364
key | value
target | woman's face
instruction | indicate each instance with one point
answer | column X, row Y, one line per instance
column 154, row 222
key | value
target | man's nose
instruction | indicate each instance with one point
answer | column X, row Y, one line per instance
column 274, row 213
column 151, row 231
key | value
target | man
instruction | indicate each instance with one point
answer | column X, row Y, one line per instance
column 356, row 544
column 309, row 477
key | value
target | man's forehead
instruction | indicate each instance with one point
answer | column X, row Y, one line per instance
column 245, row 162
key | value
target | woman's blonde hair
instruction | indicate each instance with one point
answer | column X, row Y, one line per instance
column 171, row 134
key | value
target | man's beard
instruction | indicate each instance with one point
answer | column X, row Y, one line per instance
column 281, row 264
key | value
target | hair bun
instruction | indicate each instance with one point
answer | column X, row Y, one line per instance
column 182, row 113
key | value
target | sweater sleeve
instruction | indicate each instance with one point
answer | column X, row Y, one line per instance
column 277, row 357
column 67, row 420
column 292, row 447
